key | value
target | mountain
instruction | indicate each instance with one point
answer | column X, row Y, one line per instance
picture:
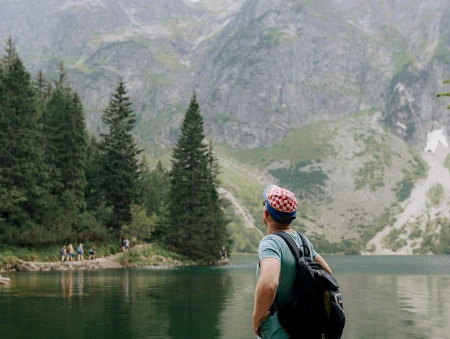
column 332, row 98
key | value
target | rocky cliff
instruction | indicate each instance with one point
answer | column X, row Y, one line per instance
column 261, row 68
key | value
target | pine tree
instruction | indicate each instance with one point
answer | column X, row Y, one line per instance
column 153, row 189
column 53, row 127
column 196, row 221
column 41, row 86
column 93, row 194
column 75, row 145
column 66, row 145
column 64, row 142
column 119, row 153
column 23, row 173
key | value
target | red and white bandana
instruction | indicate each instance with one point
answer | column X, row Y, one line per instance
column 281, row 199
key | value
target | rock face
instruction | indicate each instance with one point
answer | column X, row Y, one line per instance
column 260, row 68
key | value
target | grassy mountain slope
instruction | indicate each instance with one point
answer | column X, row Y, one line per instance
column 338, row 170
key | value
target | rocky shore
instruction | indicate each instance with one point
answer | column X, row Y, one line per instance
column 110, row 262
column 96, row 264
column 4, row 281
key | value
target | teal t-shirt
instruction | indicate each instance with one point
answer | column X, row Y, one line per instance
column 273, row 246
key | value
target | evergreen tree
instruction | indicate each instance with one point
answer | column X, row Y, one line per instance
column 11, row 54
column 64, row 142
column 120, row 169
column 153, row 189
column 217, row 204
column 197, row 226
column 74, row 156
column 53, row 127
column 66, row 146
column 93, row 194
column 22, row 170
column 41, row 86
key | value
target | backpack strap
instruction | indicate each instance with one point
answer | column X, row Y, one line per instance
column 298, row 252
column 305, row 245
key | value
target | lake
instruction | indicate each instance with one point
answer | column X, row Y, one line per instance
column 384, row 297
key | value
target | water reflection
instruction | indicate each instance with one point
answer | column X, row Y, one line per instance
column 80, row 283
column 67, row 285
column 215, row 303
column 125, row 286
column 396, row 306
column 195, row 303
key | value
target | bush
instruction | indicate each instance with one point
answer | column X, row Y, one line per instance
column 141, row 226
column 87, row 228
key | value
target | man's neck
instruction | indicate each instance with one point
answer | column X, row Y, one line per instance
column 272, row 228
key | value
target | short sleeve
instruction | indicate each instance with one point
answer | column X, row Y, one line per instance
column 269, row 248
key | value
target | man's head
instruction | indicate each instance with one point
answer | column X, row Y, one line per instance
column 280, row 204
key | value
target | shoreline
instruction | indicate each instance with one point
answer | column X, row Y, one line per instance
column 103, row 263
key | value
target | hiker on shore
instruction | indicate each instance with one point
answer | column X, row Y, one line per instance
column 125, row 244
column 277, row 265
column 70, row 254
column 223, row 253
column 80, row 252
column 63, row 253
column 92, row 253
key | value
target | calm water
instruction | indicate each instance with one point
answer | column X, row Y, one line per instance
column 384, row 297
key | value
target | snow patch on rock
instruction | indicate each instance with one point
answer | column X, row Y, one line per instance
column 434, row 138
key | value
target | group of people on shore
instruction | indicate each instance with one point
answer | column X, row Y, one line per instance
column 68, row 253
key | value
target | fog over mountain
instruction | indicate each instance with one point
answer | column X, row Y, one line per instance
column 367, row 72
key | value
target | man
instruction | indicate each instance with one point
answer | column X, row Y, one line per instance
column 125, row 244
column 92, row 253
column 223, row 253
column 277, row 267
column 80, row 252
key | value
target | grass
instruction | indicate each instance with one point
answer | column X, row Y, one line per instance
column 418, row 170
column 435, row 195
column 239, row 181
column 394, row 239
column 372, row 172
column 441, row 52
column 385, row 219
column 307, row 143
column 431, row 236
column 152, row 255
column 415, row 231
column 447, row 162
column 401, row 59
column 222, row 118
column 309, row 183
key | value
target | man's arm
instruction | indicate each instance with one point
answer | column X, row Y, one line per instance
column 266, row 290
column 322, row 263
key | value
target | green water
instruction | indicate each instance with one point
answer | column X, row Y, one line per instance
column 384, row 297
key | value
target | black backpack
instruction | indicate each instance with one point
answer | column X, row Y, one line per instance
column 316, row 309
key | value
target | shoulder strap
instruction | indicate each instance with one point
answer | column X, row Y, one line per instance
column 305, row 244
column 296, row 251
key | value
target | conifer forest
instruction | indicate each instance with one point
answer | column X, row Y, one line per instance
column 61, row 183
